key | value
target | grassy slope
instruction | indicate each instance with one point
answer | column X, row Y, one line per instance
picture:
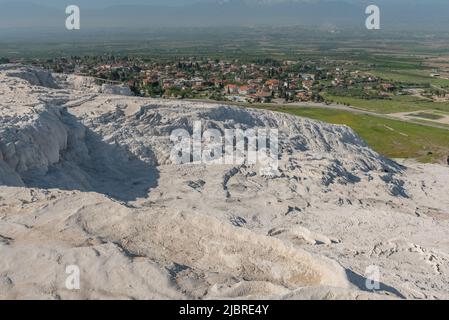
column 394, row 139
column 396, row 104
column 410, row 71
column 412, row 76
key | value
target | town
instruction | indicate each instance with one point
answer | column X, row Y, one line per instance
column 266, row 80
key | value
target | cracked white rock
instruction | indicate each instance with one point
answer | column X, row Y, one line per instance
column 86, row 179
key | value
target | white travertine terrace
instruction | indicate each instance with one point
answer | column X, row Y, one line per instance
column 86, row 179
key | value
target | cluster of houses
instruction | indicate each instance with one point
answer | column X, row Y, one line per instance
column 262, row 81
column 260, row 90
column 231, row 81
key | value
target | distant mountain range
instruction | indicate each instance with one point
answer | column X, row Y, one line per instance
column 412, row 14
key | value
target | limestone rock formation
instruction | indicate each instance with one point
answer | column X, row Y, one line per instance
column 86, row 179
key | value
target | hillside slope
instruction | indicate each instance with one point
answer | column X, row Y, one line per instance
column 86, row 179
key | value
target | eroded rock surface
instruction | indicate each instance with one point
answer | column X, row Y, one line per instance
column 86, row 179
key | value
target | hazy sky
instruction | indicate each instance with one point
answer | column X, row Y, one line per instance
column 104, row 3
column 414, row 14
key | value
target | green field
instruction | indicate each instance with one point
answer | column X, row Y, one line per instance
column 404, row 71
column 385, row 106
column 392, row 138
column 411, row 77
